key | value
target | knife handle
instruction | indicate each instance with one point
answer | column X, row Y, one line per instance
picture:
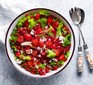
column 80, row 60
column 88, row 56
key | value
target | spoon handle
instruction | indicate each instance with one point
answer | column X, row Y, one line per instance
column 88, row 56
column 80, row 60
column 87, row 53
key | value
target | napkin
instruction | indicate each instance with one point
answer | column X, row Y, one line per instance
column 9, row 9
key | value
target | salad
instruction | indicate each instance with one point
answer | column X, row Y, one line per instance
column 40, row 42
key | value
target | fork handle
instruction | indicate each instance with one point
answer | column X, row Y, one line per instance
column 88, row 56
column 80, row 60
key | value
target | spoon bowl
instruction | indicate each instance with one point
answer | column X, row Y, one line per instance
column 77, row 15
column 82, row 14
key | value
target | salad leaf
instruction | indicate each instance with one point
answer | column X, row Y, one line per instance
column 49, row 32
column 43, row 22
column 23, row 57
column 66, row 43
column 60, row 62
column 14, row 48
column 67, row 40
column 59, row 29
column 44, row 12
column 13, row 37
column 19, row 24
column 21, row 21
column 67, row 54
column 26, row 58
column 14, row 31
column 32, row 23
column 28, row 17
column 52, row 63
column 68, row 37
column 51, row 54
column 42, row 66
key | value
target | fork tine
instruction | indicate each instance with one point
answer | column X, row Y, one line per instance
column 75, row 8
column 72, row 10
column 70, row 13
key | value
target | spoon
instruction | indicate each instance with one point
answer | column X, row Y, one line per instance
column 77, row 15
column 87, row 53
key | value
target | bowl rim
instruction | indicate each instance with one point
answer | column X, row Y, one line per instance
column 33, row 10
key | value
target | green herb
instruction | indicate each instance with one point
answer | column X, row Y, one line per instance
column 26, row 58
column 59, row 29
column 66, row 43
column 44, row 12
column 32, row 23
column 11, row 43
column 51, row 54
column 29, row 17
column 41, row 35
column 67, row 40
column 19, row 24
column 50, row 31
column 60, row 62
column 52, row 63
column 67, row 54
column 14, row 48
column 14, row 31
column 42, row 66
column 13, row 37
column 43, row 22
column 21, row 21
column 16, row 58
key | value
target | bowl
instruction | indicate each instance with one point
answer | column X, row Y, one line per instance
column 11, row 55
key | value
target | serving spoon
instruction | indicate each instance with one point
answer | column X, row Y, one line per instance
column 77, row 15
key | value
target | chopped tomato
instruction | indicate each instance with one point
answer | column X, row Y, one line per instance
column 49, row 20
column 49, row 44
column 18, row 47
column 47, row 69
column 55, row 24
column 66, row 49
column 26, row 23
column 35, row 42
column 37, row 16
column 57, row 51
column 41, row 44
column 39, row 31
column 23, row 31
column 43, row 53
column 34, row 53
column 54, row 31
column 55, row 67
column 27, row 37
column 20, row 39
column 63, row 58
column 17, row 54
column 41, row 71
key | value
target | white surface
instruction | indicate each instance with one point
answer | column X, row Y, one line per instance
column 10, row 76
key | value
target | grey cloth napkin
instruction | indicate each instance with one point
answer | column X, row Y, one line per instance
column 9, row 9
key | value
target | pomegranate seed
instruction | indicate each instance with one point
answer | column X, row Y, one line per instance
column 17, row 54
